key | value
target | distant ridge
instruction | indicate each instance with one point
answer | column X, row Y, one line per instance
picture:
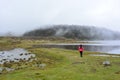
column 75, row 32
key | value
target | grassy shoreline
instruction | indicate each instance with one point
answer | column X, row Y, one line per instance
column 61, row 64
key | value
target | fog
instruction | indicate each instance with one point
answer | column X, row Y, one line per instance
column 75, row 32
column 19, row 16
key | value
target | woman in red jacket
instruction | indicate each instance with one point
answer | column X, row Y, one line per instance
column 80, row 49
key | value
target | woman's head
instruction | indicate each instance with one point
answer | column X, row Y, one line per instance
column 80, row 45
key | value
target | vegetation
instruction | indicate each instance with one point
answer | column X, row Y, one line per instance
column 61, row 64
column 74, row 32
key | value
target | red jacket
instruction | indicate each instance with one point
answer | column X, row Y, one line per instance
column 80, row 49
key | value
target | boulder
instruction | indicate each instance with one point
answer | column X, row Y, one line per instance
column 106, row 63
column 42, row 66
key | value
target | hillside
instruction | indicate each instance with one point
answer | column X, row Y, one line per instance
column 74, row 32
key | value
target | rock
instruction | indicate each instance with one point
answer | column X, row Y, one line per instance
column 106, row 63
column 9, row 69
column 42, row 66
column 26, row 53
column 1, row 69
column 21, row 54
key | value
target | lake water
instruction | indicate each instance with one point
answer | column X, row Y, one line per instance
column 110, row 47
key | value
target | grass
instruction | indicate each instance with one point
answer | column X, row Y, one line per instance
column 65, row 64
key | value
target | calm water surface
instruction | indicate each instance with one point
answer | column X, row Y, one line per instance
column 110, row 47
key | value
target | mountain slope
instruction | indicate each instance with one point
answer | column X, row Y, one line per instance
column 74, row 32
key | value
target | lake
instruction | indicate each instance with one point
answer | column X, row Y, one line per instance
column 110, row 47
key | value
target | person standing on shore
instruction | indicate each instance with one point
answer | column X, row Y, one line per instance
column 81, row 49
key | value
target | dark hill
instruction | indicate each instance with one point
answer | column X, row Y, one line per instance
column 74, row 32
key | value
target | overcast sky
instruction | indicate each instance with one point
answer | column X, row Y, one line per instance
column 18, row 16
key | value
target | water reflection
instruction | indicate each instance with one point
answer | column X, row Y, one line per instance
column 110, row 47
